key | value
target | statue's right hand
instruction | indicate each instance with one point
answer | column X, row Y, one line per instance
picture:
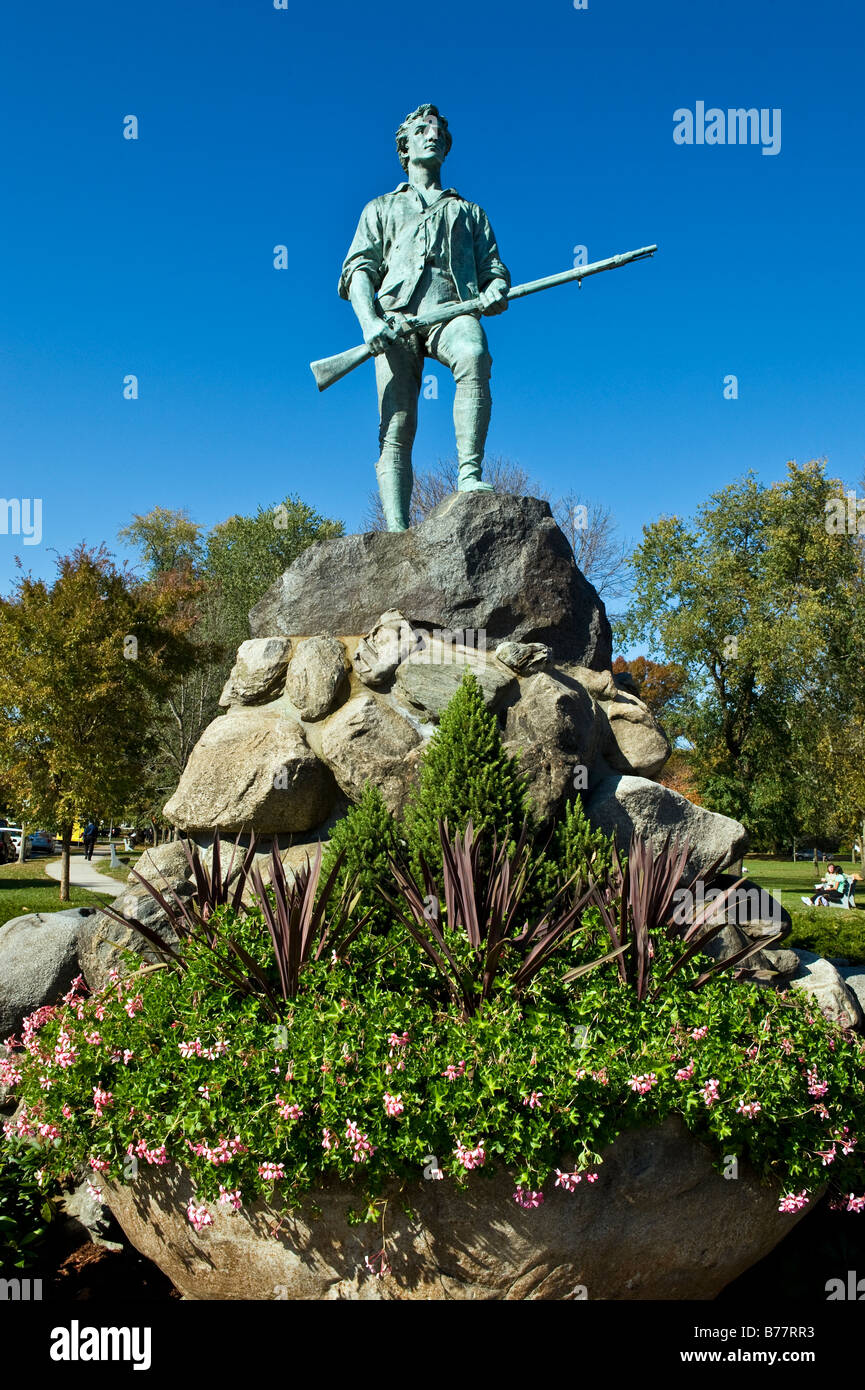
column 379, row 336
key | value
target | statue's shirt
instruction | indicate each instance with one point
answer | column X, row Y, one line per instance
column 400, row 242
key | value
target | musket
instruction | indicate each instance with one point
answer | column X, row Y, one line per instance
column 331, row 369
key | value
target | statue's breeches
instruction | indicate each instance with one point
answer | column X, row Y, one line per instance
column 460, row 345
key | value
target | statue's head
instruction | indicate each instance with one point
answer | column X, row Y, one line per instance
column 423, row 137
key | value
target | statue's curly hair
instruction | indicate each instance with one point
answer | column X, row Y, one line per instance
column 402, row 134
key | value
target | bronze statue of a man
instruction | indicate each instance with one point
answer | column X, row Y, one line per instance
column 415, row 248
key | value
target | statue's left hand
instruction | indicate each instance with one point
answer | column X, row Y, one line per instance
column 494, row 299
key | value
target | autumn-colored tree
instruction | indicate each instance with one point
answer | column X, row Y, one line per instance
column 80, row 660
column 660, row 684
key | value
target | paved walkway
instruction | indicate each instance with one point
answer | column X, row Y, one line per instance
column 83, row 874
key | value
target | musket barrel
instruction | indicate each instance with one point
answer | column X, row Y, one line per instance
column 549, row 282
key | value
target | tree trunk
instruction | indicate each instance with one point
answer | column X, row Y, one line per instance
column 22, row 849
column 66, row 832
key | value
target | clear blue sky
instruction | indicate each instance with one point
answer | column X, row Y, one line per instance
column 261, row 126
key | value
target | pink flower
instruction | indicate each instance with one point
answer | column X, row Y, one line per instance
column 204, row 1091
column 591, row 1177
column 134, row 1006
column 287, row 1110
column 95, row 1192
column 329, row 1140
column 127, row 1056
column 698, row 1033
column 685, row 1073
column 101, row 1099
column 67, row 1112
column 10, row 1075
column 47, row 1131
column 533, row 1100
column 827, row 1156
column 397, row 1041
column 709, row 1092
column 232, row 1198
column 454, row 1070
column 92, row 1038
column 855, row 1203
column 99, row 1011
column 643, row 1084
column 792, row 1202
column 271, row 1171
column 525, row 1198
column 749, row 1108
column 198, row 1216
column 815, row 1086
column 114, row 975
column 379, row 1264
column 190, row 1049
column 99, row 1165
column 471, row 1158
column 363, row 1149
column 601, row 1077
column 393, row 1104
column 568, row 1181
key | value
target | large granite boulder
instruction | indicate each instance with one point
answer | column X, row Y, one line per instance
column 427, row 686
column 318, row 677
column 367, row 740
column 635, row 742
column 555, row 730
column 660, row 1223
column 834, row 997
column 258, row 673
column 621, row 805
column 482, row 561
column 39, row 959
column 252, row 769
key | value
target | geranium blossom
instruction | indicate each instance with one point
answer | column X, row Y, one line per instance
column 271, row 1172
column 230, row 1198
column 855, row 1203
column 685, row 1073
column 471, row 1158
column 533, row 1100
column 288, row 1110
column 749, row 1108
column 198, row 1216
column 101, row 1099
column 568, row 1181
column 378, row 1264
column 454, row 1070
column 643, row 1084
column 698, row 1033
column 793, row 1201
column 362, row 1148
column 709, row 1091
column 393, row 1104
column 329, row 1140
column 525, row 1198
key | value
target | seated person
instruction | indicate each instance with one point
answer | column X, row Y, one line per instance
column 831, row 890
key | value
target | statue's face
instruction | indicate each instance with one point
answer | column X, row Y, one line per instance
column 426, row 141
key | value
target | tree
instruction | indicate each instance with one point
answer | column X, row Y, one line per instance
column 246, row 554
column 757, row 602
column 591, row 530
column 168, row 540
column 660, row 684
column 465, row 775
column 79, row 661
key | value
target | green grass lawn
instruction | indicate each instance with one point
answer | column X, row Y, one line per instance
column 127, row 862
column 27, row 888
column 830, row 931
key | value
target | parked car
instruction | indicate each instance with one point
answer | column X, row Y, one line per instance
column 40, row 842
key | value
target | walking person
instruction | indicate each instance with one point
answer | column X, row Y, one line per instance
column 89, row 838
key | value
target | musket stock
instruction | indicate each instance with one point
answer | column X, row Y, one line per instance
column 331, row 369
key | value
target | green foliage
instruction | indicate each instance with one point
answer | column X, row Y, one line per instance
column 245, row 554
column 466, row 775
column 350, row 1041
column 24, row 1211
column 830, row 931
column 760, row 604
column 580, row 848
column 366, row 836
